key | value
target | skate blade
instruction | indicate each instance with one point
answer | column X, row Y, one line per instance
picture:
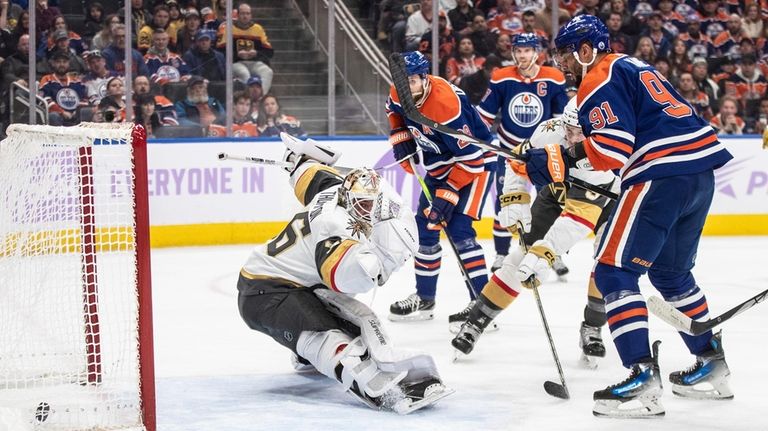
column 455, row 327
column 413, row 317
column 703, row 391
column 588, row 362
column 633, row 409
column 404, row 407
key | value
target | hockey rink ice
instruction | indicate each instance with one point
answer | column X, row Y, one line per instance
column 213, row 373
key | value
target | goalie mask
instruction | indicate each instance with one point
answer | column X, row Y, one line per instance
column 367, row 198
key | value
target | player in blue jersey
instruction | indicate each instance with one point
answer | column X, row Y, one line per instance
column 526, row 94
column 637, row 125
column 458, row 177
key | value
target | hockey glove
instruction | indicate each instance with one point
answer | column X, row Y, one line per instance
column 535, row 264
column 544, row 166
column 515, row 207
column 441, row 210
column 403, row 146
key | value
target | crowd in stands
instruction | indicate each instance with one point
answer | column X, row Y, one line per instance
column 178, row 66
column 715, row 52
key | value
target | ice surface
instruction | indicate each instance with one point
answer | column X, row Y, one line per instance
column 216, row 374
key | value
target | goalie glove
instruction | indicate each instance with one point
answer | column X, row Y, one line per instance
column 535, row 264
column 298, row 152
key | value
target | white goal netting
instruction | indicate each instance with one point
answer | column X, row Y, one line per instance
column 69, row 337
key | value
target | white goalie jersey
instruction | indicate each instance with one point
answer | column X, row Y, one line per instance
column 324, row 244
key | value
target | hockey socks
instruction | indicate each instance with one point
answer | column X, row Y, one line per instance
column 473, row 259
column 427, row 262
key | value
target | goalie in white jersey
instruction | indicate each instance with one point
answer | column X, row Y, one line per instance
column 349, row 238
column 560, row 216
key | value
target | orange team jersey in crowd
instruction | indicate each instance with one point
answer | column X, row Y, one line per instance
column 456, row 69
column 506, row 24
column 243, row 130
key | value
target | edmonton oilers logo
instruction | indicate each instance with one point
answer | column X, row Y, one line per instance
column 526, row 109
column 68, row 99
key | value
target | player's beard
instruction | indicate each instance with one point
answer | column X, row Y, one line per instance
column 421, row 97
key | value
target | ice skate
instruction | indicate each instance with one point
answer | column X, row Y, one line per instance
column 591, row 344
column 498, row 262
column 464, row 341
column 457, row 319
column 417, row 395
column 412, row 308
column 708, row 378
column 560, row 269
column 637, row 396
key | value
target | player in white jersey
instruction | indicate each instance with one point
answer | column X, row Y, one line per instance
column 560, row 216
column 351, row 235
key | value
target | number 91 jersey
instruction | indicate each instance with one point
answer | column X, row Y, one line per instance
column 638, row 125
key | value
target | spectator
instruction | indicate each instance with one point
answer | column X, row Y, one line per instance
column 44, row 17
column 139, row 17
column 22, row 28
column 62, row 43
column 544, row 17
column 476, row 85
column 727, row 42
column 662, row 66
column 645, row 50
column 256, row 91
column 658, row 35
column 203, row 60
column 419, row 23
column 726, row 121
column 198, row 108
column 161, row 19
column 446, row 41
column 529, row 21
column 752, row 23
column 759, row 126
column 115, row 55
column 484, row 40
column 621, row 43
column 725, row 69
column 163, row 65
column 107, row 111
column 146, row 115
column 588, row 7
column 94, row 22
column 95, row 80
column 713, row 19
column 464, row 63
column 679, row 62
column 672, row 21
column 391, row 13
column 185, row 38
column 697, row 43
column 507, row 20
column 104, row 38
column 699, row 69
column 174, row 11
column 59, row 27
column 629, row 24
column 64, row 93
column 462, row 16
column 242, row 121
column 747, row 84
column 695, row 97
column 272, row 121
column 209, row 20
column 116, row 92
column 252, row 48
column 504, row 50
column 15, row 68
column 163, row 107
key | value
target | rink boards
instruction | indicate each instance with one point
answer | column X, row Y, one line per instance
column 196, row 199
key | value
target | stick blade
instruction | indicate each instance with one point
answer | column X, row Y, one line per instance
column 668, row 313
column 556, row 390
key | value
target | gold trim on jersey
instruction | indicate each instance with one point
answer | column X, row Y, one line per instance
column 269, row 279
column 584, row 210
column 332, row 261
column 497, row 295
column 306, row 178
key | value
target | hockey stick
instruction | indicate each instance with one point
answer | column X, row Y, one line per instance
column 282, row 164
column 464, row 273
column 668, row 313
column 400, row 81
column 552, row 388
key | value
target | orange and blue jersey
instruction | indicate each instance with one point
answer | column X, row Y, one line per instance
column 524, row 102
column 66, row 94
column 639, row 126
column 164, row 69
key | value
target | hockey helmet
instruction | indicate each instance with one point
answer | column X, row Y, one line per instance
column 416, row 63
column 359, row 193
column 526, row 39
column 571, row 113
column 583, row 28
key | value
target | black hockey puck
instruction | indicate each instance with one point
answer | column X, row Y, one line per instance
column 42, row 411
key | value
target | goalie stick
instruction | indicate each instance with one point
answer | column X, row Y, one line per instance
column 400, row 81
column 668, row 313
column 282, row 164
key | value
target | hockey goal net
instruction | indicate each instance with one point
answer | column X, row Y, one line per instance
column 75, row 298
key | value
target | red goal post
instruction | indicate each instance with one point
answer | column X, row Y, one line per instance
column 76, row 349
